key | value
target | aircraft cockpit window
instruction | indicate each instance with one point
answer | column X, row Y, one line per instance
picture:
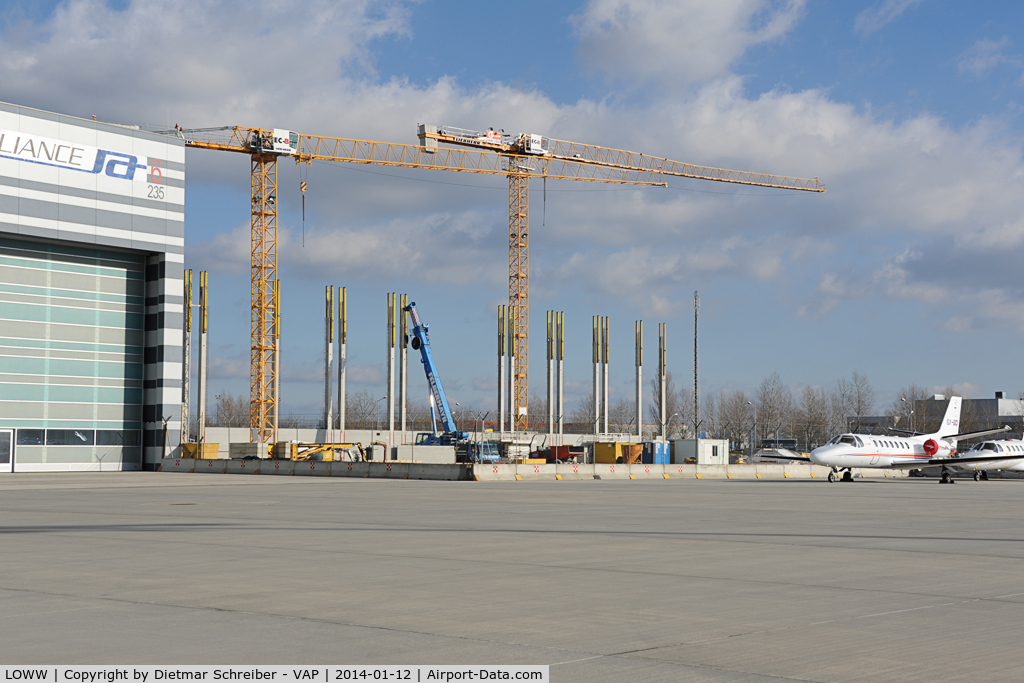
column 847, row 439
column 989, row 446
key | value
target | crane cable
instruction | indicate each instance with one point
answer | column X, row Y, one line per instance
column 302, row 187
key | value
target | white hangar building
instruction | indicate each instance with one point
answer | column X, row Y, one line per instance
column 91, row 270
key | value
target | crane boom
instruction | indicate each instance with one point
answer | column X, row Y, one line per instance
column 421, row 343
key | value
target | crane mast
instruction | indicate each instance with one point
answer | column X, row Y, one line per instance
column 518, row 158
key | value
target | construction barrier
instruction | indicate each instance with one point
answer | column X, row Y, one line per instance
column 280, row 467
column 509, row 472
column 311, row 468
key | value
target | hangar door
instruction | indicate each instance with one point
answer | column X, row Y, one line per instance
column 71, row 354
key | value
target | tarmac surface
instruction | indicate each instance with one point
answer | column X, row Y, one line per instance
column 677, row 580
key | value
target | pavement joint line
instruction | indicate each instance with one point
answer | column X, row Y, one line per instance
column 277, row 615
column 35, row 614
column 600, row 569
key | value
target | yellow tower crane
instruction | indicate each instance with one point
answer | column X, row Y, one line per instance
column 519, row 158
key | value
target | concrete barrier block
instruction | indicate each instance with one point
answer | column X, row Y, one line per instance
column 679, row 471
column 535, row 472
column 819, row 472
column 211, row 466
column 737, row 471
column 493, row 472
column 281, row 467
column 765, row 470
column 389, row 470
column 796, row 471
column 611, row 471
column 441, row 472
column 312, row 468
column 648, row 471
column 350, row 469
column 713, row 471
column 572, row 471
column 243, row 466
column 177, row 465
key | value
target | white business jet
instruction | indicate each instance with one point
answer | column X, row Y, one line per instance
column 1010, row 447
column 918, row 451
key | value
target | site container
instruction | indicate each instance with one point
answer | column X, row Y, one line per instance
column 656, row 453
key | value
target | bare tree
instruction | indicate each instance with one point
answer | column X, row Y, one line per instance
column 710, row 415
column 622, row 416
column 735, row 417
column 674, row 407
column 231, row 410
column 841, row 402
column 862, row 397
column 774, row 405
column 814, row 416
column 902, row 412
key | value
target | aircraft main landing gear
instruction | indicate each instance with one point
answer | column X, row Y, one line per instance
column 945, row 477
column 980, row 475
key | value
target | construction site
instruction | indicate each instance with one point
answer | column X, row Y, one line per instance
column 156, row 313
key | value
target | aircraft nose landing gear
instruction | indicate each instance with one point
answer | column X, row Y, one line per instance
column 847, row 475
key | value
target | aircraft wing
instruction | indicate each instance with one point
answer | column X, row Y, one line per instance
column 905, row 431
column 950, row 462
column 799, row 458
column 984, row 432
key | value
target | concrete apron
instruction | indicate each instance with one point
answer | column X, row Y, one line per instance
column 504, row 472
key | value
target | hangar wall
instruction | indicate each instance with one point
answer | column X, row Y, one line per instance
column 91, row 268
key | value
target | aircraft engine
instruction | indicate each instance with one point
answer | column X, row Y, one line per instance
column 931, row 447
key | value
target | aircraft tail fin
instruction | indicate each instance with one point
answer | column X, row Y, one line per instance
column 950, row 425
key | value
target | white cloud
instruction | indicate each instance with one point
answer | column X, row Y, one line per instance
column 874, row 18
column 985, row 55
column 679, row 41
column 918, row 178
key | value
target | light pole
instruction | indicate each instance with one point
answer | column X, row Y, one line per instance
column 910, row 420
column 754, row 436
column 376, row 410
column 666, row 422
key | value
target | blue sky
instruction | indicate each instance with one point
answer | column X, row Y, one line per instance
column 907, row 270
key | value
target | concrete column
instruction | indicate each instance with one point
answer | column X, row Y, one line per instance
column 551, row 374
column 639, row 378
column 662, row 398
column 201, row 436
column 604, row 373
column 512, row 344
column 329, row 359
column 501, row 368
column 560, row 356
column 391, row 367
column 186, row 357
column 403, row 366
column 596, row 353
column 342, row 357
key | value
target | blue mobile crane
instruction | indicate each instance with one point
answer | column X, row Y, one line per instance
column 466, row 451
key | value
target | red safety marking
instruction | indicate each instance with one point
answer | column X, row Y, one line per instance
column 209, row 464
column 536, row 468
column 389, row 467
column 277, row 465
column 612, row 468
column 243, row 463
column 680, row 468
column 495, row 469
column 177, row 462
column 575, row 468
column 350, row 465
column 647, row 468
column 312, row 466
